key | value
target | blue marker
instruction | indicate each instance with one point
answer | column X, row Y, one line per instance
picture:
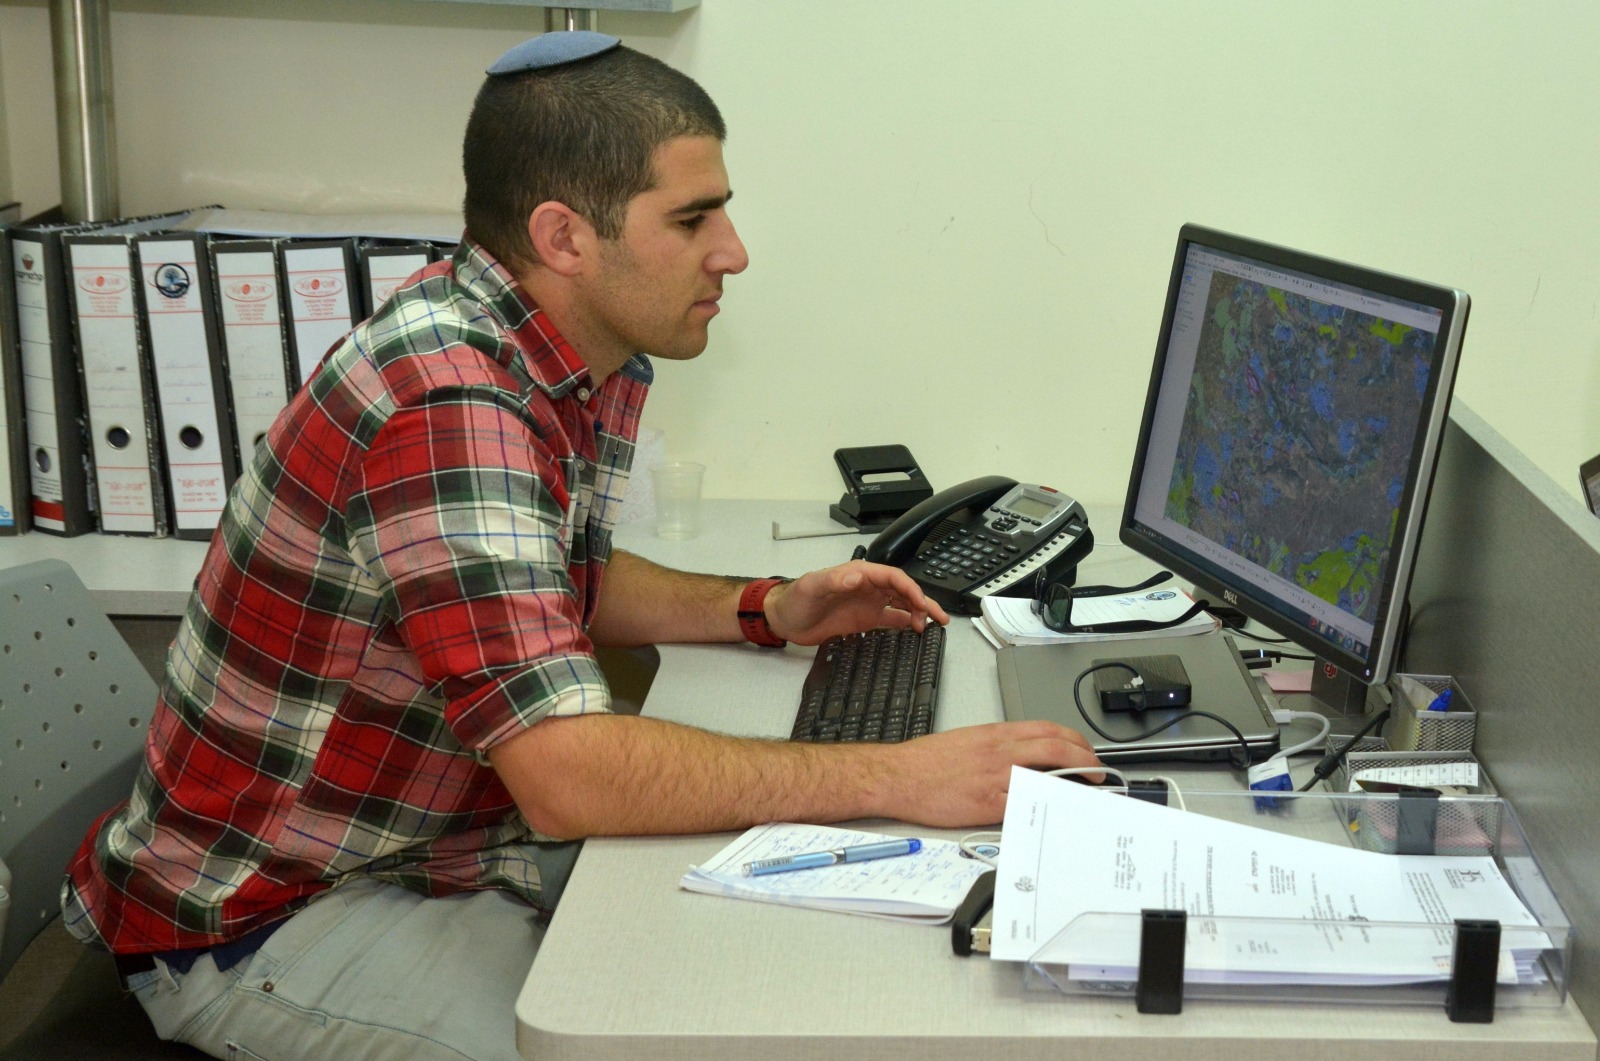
column 860, row 853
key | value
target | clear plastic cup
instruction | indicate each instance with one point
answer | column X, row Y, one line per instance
column 677, row 489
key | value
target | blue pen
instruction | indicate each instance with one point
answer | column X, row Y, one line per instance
column 859, row 853
column 1442, row 701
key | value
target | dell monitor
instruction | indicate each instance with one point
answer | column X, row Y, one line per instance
column 1289, row 439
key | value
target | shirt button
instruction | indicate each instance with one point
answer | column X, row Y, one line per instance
column 583, row 394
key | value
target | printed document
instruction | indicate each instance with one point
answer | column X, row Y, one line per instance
column 925, row 887
column 1263, row 905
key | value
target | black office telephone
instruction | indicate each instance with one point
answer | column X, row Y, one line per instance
column 988, row 536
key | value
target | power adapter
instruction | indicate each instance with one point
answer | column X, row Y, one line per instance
column 1142, row 683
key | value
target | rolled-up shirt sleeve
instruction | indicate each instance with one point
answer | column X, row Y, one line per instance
column 463, row 520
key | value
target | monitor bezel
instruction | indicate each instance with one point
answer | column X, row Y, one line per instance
column 1454, row 306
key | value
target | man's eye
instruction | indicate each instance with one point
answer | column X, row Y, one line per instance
column 692, row 223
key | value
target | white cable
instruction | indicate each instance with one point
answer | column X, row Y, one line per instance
column 972, row 843
column 1070, row 771
column 1283, row 718
column 1172, row 787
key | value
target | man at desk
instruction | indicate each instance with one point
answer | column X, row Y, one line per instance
column 382, row 707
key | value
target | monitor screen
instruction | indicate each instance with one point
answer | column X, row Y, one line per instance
column 1289, row 439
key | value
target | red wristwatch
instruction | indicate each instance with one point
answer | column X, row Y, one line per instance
column 753, row 614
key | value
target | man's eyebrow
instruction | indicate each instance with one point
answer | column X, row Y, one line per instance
column 710, row 202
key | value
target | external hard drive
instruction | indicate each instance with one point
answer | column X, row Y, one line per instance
column 1142, row 683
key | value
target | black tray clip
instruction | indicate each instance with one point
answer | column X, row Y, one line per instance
column 1474, row 968
column 1162, row 936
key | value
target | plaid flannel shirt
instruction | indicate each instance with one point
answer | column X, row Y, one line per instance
column 402, row 579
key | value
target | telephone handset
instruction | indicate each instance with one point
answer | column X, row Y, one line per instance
column 988, row 536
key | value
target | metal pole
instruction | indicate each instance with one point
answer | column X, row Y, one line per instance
column 568, row 18
column 80, row 33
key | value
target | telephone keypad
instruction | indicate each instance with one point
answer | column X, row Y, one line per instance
column 969, row 556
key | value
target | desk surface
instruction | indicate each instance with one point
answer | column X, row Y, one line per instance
column 125, row 576
column 633, row 966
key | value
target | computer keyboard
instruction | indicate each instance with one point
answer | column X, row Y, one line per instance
column 880, row 686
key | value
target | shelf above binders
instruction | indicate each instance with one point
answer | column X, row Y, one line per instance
column 663, row 6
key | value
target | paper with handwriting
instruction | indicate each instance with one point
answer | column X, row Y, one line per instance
column 924, row 887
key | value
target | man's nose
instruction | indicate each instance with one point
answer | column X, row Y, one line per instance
column 730, row 256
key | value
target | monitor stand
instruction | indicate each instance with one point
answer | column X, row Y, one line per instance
column 1337, row 691
column 1340, row 696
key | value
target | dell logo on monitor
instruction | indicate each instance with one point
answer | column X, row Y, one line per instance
column 1230, row 596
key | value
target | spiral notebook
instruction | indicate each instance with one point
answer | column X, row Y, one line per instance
column 925, row 887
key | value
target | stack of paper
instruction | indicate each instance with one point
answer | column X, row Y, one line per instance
column 924, row 887
column 1011, row 621
column 1263, row 906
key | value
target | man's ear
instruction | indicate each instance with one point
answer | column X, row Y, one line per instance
column 562, row 239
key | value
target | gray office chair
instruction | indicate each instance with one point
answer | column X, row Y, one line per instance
column 75, row 704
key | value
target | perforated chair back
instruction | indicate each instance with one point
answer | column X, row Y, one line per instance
column 75, row 704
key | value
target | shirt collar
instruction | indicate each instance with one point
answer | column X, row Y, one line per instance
column 550, row 360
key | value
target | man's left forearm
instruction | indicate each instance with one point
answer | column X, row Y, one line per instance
column 643, row 603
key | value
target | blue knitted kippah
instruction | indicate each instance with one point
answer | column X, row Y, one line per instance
column 553, row 49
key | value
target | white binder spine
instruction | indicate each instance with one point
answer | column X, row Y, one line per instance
column 117, row 388
column 200, row 465
column 47, row 467
column 252, row 338
column 317, row 291
column 15, row 513
column 385, row 268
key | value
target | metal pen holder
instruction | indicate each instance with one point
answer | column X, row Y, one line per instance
column 1414, row 729
column 1416, row 737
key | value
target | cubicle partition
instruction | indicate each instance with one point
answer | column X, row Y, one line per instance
column 1505, row 598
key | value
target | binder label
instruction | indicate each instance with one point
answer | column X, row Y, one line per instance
column 172, row 280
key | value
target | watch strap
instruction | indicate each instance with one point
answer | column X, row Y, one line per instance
column 753, row 614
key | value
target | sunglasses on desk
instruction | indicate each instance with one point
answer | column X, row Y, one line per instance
column 1052, row 603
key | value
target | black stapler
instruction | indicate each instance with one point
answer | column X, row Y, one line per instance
column 881, row 483
column 970, row 928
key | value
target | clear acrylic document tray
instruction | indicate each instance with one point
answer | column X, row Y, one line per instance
column 1343, row 960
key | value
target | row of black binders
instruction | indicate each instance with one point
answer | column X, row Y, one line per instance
column 145, row 358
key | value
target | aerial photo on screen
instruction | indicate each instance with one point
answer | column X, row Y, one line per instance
column 1296, row 436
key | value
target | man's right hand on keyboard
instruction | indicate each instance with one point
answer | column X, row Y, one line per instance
column 959, row 778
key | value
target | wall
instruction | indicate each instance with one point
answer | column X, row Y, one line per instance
column 960, row 217
column 5, row 143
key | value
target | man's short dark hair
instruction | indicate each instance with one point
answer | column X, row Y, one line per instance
column 582, row 134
